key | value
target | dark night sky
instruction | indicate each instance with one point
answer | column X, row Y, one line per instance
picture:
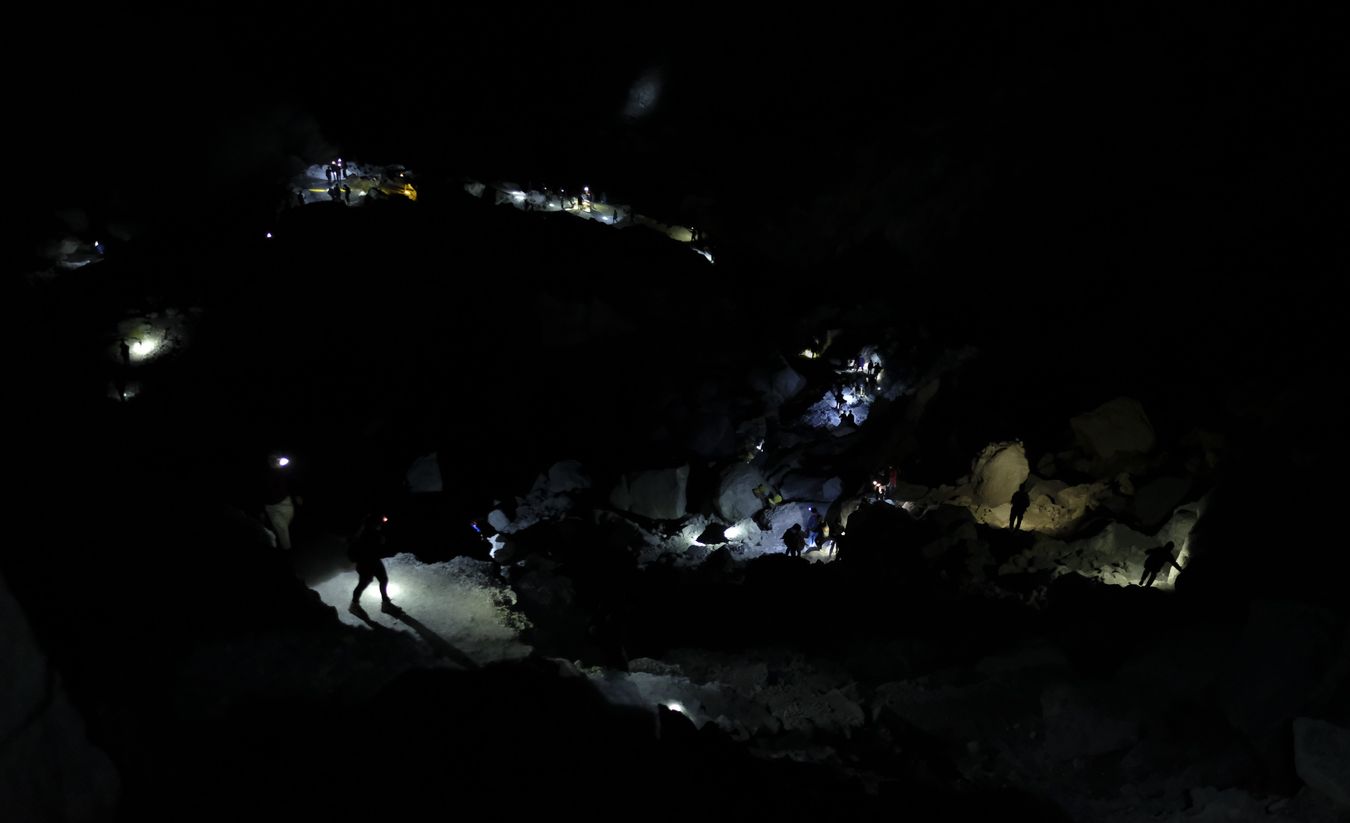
column 1128, row 122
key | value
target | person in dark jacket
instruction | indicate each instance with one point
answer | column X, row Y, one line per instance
column 794, row 539
column 367, row 551
column 1021, row 501
column 813, row 523
column 1154, row 560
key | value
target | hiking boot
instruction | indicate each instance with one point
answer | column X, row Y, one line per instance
column 388, row 606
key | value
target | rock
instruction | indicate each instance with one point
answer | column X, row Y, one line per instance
column 659, row 494
column 798, row 486
column 1178, row 529
column 1322, row 758
column 424, row 475
column 736, row 498
column 787, row 383
column 1154, row 501
column 1057, row 508
column 48, row 768
column 567, row 476
column 1115, row 429
column 1045, row 467
column 498, row 520
column 998, row 472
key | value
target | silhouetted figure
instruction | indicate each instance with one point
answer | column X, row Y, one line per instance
column 367, row 552
column 1154, row 561
column 334, row 193
column 125, row 349
column 793, row 540
column 884, row 483
column 838, row 398
column 1021, row 501
column 346, row 192
column 846, row 419
column 813, row 523
column 300, row 197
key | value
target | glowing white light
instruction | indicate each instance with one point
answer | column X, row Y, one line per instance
column 735, row 532
column 707, row 255
column 394, row 590
column 676, row 706
column 269, row 235
column 283, row 462
column 144, row 346
column 808, row 354
column 497, row 545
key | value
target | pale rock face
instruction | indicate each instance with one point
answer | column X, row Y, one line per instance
column 997, row 473
column 660, row 494
column 736, row 499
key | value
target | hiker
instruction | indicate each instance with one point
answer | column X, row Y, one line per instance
column 367, row 552
column 1021, row 501
column 278, row 503
column 813, row 524
column 794, row 540
column 1154, row 561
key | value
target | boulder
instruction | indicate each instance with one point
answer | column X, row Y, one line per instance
column 798, row 486
column 1154, row 501
column 736, row 498
column 498, row 520
column 1058, row 508
column 1119, row 428
column 787, row 383
column 567, row 476
column 659, row 494
column 1322, row 758
column 997, row 472
column 424, row 475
